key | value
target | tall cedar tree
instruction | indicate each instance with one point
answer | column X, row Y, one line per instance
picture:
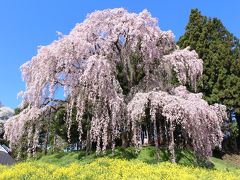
column 220, row 52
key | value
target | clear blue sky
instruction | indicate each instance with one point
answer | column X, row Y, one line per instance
column 26, row 24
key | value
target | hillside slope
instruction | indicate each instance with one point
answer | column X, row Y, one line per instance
column 124, row 164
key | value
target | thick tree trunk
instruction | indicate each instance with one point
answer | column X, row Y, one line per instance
column 89, row 144
column 150, row 135
column 124, row 137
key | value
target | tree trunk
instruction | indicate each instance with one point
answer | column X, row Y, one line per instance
column 159, row 136
column 124, row 137
column 46, row 142
column 19, row 153
column 171, row 143
column 89, row 144
column 30, row 142
column 165, row 133
column 55, row 141
column 155, row 134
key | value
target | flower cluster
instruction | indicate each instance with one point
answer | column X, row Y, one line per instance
column 105, row 168
column 187, row 66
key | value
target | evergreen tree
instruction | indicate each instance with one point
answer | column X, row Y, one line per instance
column 220, row 51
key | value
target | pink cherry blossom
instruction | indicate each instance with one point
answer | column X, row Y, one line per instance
column 86, row 63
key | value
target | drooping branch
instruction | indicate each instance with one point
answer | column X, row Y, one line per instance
column 187, row 66
column 201, row 121
column 99, row 88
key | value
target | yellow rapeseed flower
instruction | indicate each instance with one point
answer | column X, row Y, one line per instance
column 107, row 168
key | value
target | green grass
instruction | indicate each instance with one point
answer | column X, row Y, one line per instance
column 220, row 164
column 146, row 154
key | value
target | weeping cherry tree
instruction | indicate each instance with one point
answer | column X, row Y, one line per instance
column 123, row 75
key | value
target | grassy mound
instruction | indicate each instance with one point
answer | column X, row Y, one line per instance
column 147, row 155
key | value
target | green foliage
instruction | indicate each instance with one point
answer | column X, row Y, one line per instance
column 186, row 157
column 149, row 155
column 130, row 75
column 219, row 50
column 146, row 155
column 17, row 111
column 59, row 125
column 3, row 141
column 234, row 129
column 220, row 164
column 174, row 81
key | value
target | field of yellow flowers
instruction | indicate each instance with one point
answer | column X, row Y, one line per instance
column 107, row 168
